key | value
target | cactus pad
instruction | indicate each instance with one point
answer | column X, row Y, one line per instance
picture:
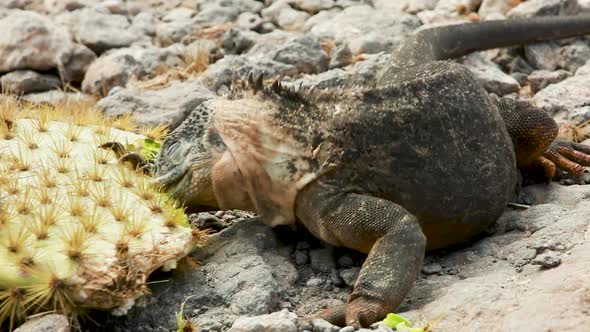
column 78, row 229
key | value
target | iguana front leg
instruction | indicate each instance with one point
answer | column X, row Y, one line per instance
column 390, row 235
column 533, row 134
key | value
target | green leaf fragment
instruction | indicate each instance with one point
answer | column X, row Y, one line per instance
column 399, row 323
column 150, row 148
column 180, row 322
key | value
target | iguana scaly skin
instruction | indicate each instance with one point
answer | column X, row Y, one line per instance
column 421, row 160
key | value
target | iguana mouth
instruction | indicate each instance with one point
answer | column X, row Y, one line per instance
column 173, row 176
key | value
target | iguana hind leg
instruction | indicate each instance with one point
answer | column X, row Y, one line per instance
column 390, row 235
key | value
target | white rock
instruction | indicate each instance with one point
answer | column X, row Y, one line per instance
column 169, row 105
column 532, row 8
column 494, row 7
column 366, row 29
column 101, row 31
column 116, row 67
column 282, row 321
column 30, row 40
column 25, row 81
column 47, row 323
column 490, row 75
column 571, row 93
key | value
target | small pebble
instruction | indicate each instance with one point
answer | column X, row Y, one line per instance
column 301, row 257
column 314, row 282
column 547, row 260
column 433, row 268
column 345, row 261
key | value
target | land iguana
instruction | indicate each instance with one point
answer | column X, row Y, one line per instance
column 422, row 159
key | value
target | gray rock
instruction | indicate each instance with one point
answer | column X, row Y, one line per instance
column 416, row 6
column 301, row 257
column 282, row 321
column 490, row 75
column 72, row 66
column 169, row 105
column 314, row 282
column 249, row 21
column 494, row 7
column 58, row 6
column 433, row 268
column 47, row 323
column 313, row 6
column 449, row 12
column 539, row 79
column 15, row 4
column 58, row 97
column 213, row 12
column 305, row 53
column 432, row 18
column 521, row 78
column 378, row 327
column 252, row 6
column 571, row 93
column 457, row 6
column 574, row 55
column 347, row 329
column 231, row 67
column 145, row 23
column 323, row 16
column 320, row 325
column 118, row 7
column 101, row 31
column 547, row 260
column 283, row 15
column 532, row 8
column 361, row 72
column 116, row 67
column 109, row 71
column 267, row 27
column 179, row 14
column 209, row 325
column 322, row 259
column 265, row 45
column 240, row 273
column 32, row 41
column 579, row 115
column 25, row 81
column 366, row 29
column 553, row 55
column 350, row 275
column 177, row 26
column 542, row 55
column 237, row 41
column 345, row 261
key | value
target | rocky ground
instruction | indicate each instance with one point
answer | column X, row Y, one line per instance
column 157, row 60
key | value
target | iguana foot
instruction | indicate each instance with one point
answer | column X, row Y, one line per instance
column 334, row 315
column 562, row 155
column 568, row 156
column 365, row 311
column 357, row 313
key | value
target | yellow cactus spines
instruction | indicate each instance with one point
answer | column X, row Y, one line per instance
column 78, row 228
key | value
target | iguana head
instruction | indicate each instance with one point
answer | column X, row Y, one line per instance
column 186, row 159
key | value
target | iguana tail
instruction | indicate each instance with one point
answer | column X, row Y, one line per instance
column 452, row 41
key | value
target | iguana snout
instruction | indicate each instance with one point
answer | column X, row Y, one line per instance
column 185, row 162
